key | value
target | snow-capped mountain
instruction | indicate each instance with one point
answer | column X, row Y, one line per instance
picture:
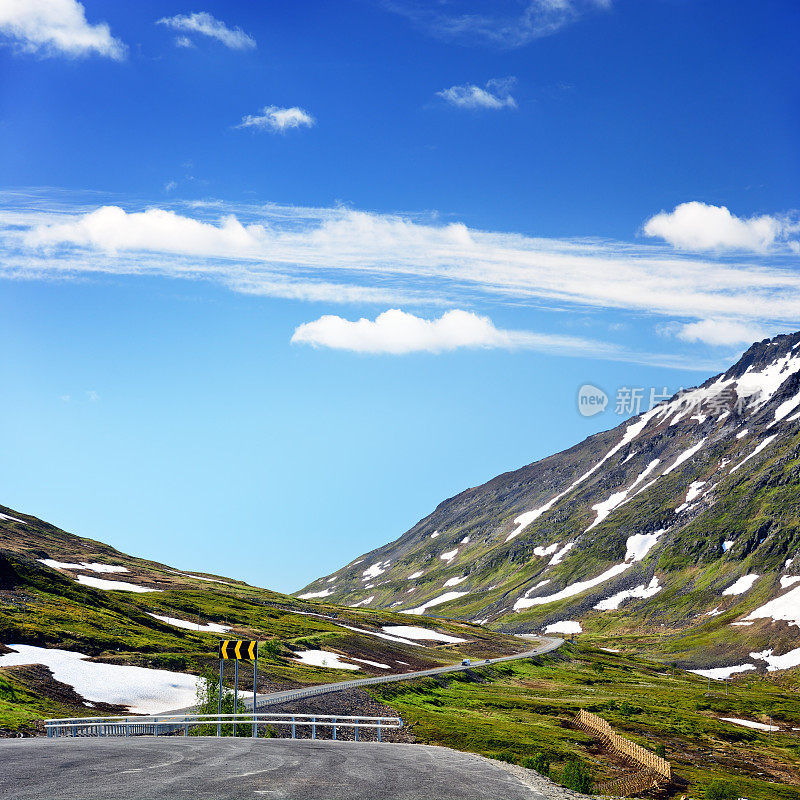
column 679, row 527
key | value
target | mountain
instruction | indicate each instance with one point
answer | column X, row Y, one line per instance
column 86, row 629
column 675, row 533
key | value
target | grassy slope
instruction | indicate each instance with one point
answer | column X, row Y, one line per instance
column 523, row 708
column 46, row 607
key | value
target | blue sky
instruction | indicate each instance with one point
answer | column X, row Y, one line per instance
column 277, row 278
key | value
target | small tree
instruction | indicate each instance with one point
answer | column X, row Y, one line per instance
column 208, row 703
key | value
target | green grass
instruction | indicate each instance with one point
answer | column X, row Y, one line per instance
column 523, row 709
column 22, row 709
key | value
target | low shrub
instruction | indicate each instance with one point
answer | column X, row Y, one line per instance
column 721, row 790
column 577, row 777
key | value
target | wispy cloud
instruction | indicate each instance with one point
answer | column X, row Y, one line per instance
column 397, row 332
column 57, row 28
column 348, row 256
column 721, row 332
column 203, row 23
column 495, row 95
column 505, row 26
column 702, row 227
column 278, row 120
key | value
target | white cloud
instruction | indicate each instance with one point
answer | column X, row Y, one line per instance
column 699, row 226
column 206, row 25
column 56, row 28
column 278, row 120
column 398, row 332
column 184, row 41
column 539, row 18
column 495, row 95
column 722, row 332
column 349, row 256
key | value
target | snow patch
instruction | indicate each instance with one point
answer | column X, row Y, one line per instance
column 375, row 570
column 142, row 690
column 381, row 635
column 449, row 555
column 755, row 452
column 786, row 661
column 787, row 581
column 744, row 584
column 727, row 545
column 640, row 544
column 684, row 456
column 12, row 519
column 637, row 547
column 695, row 490
column 537, row 586
column 546, row 551
column 92, row 566
column 455, row 581
column 322, row 658
column 425, row 634
column 786, row 608
column 615, row 601
column 746, row 723
column 415, row 575
column 559, row 556
column 312, row 595
column 210, row 627
column 565, row 626
column 363, row 602
column 117, row 586
column 572, row 590
column 620, row 498
column 722, row 673
column 371, row 663
column 631, row 432
column 446, row 597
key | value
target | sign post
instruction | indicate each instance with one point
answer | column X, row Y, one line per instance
column 219, row 705
column 231, row 649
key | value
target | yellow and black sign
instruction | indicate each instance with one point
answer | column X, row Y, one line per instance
column 240, row 650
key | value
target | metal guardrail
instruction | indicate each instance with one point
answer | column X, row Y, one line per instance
column 177, row 724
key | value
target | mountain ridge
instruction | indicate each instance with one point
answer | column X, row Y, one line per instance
column 703, row 484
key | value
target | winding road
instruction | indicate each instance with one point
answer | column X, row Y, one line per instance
column 546, row 645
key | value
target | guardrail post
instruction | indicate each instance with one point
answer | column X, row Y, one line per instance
column 379, row 731
column 334, row 729
column 127, row 727
column 293, row 736
column 357, row 730
column 313, row 727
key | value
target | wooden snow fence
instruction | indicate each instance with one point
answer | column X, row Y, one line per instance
column 653, row 771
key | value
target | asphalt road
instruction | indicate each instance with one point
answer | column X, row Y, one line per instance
column 546, row 645
column 175, row 768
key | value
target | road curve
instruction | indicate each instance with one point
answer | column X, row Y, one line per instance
column 200, row 768
column 264, row 700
